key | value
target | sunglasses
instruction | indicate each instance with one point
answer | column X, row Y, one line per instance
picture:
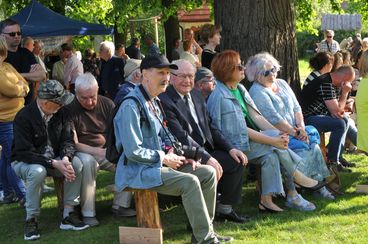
column 329, row 36
column 270, row 71
column 240, row 67
column 13, row 34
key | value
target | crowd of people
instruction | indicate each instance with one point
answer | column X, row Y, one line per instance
column 184, row 128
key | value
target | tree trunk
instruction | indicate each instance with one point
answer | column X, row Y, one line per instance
column 119, row 38
column 171, row 26
column 253, row 26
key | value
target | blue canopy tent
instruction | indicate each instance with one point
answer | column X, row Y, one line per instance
column 36, row 20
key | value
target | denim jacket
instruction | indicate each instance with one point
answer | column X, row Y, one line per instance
column 140, row 164
column 227, row 115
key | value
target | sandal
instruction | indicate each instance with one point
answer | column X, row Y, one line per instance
column 299, row 203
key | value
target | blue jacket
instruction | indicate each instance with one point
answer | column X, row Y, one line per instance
column 227, row 115
column 140, row 164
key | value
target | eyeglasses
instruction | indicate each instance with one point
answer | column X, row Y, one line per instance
column 329, row 36
column 270, row 71
column 13, row 34
column 208, row 79
column 184, row 76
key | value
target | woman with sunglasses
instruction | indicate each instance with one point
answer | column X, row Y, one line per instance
column 13, row 89
column 233, row 111
column 278, row 104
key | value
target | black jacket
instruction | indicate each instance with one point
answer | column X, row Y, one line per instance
column 30, row 136
column 184, row 127
column 112, row 75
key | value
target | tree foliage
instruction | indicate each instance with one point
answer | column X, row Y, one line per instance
column 309, row 13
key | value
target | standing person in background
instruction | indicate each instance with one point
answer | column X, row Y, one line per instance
column 133, row 51
column 187, row 55
column 73, row 67
column 58, row 69
column 89, row 63
column 152, row 47
column 28, row 43
column 329, row 44
column 13, row 89
column 195, row 49
column 37, row 52
column 21, row 58
column 210, row 35
column 120, row 52
column 112, row 71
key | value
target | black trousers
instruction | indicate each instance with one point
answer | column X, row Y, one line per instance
column 231, row 182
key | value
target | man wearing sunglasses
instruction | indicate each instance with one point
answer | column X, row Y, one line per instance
column 21, row 58
column 329, row 44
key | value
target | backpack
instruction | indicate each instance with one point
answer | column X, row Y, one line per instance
column 112, row 153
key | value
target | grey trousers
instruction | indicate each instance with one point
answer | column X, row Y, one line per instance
column 88, row 191
column 198, row 192
column 35, row 174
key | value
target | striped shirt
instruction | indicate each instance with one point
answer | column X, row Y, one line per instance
column 316, row 93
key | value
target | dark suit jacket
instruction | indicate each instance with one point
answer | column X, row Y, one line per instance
column 184, row 127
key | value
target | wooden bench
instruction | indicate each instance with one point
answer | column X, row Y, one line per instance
column 148, row 218
column 322, row 145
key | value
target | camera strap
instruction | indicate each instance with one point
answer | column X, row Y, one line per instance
column 162, row 122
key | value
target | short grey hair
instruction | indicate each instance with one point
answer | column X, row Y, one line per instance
column 109, row 46
column 179, row 62
column 256, row 65
column 85, row 82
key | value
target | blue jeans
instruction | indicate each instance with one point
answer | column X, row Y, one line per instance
column 352, row 132
column 8, row 178
column 338, row 129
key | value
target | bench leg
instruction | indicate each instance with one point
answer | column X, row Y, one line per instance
column 59, row 190
column 148, row 213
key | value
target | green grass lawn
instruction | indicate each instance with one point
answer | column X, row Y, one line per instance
column 304, row 69
column 341, row 221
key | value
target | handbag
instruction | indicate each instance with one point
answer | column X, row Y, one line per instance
column 334, row 181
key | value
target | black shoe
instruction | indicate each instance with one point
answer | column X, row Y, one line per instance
column 73, row 222
column 316, row 187
column 232, row 216
column 346, row 163
column 263, row 208
column 219, row 239
column 124, row 212
column 31, row 230
column 10, row 198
